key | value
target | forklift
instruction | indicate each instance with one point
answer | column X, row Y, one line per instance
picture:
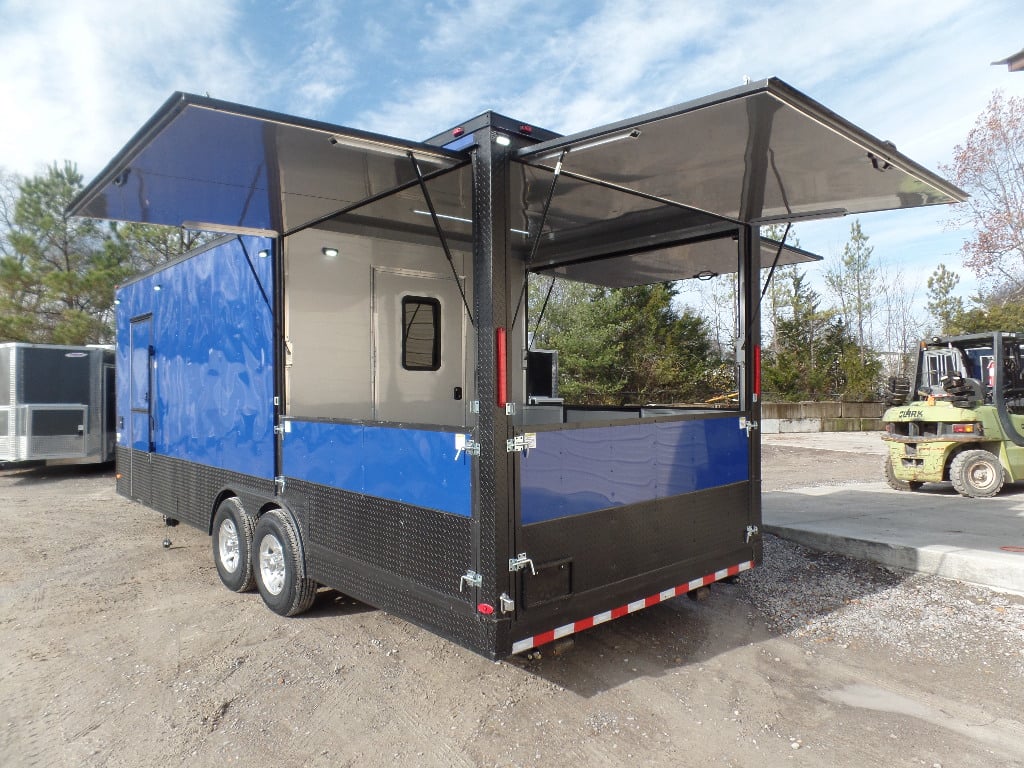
column 962, row 420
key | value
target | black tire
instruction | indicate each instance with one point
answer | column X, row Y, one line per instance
column 977, row 474
column 233, row 530
column 277, row 565
column 894, row 482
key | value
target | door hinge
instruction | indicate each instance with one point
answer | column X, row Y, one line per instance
column 521, row 443
column 752, row 531
column 506, row 603
column 510, row 409
column 471, row 579
column 519, row 562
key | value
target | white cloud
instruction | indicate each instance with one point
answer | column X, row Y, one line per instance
column 78, row 78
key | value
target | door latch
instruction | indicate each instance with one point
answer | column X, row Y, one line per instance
column 472, row 579
column 519, row 562
column 752, row 531
column 464, row 443
column 521, row 443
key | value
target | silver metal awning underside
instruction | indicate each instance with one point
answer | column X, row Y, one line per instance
column 212, row 165
column 652, row 198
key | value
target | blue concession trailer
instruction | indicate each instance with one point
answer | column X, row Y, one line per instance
column 337, row 389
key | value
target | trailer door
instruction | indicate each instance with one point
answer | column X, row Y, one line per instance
column 140, row 385
column 418, row 349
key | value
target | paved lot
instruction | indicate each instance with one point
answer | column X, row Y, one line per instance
column 933, row 530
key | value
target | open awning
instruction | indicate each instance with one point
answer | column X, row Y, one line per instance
column 701, row 260
column 213, row 165
column 757, row 154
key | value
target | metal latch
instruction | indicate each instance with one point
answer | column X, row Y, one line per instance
column 748, row 425
column 467, row 444
column 472, row 579
column 279, row 484
column 506, row 603
column 279, row 429
column 521, row 443
column 519, row 562
column 752, row 531
column 510, row 409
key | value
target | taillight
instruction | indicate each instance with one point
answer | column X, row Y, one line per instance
column 966, row 429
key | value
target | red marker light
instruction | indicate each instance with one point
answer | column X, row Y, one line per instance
column 458, row 132
column 526, row 129
column 485, row 609
column 757, row 371
column 502, row 365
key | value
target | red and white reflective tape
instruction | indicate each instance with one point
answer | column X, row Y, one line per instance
column 578, row 626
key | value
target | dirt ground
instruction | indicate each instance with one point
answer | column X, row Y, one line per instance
column 117, row 652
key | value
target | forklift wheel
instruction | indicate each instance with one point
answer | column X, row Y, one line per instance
column 894, row 482
column 977, row 474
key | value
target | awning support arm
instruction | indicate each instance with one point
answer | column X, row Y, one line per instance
column 540, row 229
column 440, row 234
column 775, row 261
column 540, row 315
column 764, row 290
column 368, row 201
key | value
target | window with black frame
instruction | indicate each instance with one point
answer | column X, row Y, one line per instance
column 421, row 333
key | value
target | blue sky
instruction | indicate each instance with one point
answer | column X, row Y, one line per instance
column 78, row 77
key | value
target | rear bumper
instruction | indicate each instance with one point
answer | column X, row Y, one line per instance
column 534, row 641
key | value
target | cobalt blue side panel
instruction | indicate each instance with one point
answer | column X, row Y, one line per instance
column 413, row 466
column 575, row 471
column 193, row 173
column 212, row 336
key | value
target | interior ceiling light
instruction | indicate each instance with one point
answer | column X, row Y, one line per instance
column 386, row 149
column 633, row 133
column 330, row 253
column 463, row 220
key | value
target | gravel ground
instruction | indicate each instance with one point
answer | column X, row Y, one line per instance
column 825, row 597
column 121, row 654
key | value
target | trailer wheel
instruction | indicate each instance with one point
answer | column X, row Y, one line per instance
column 976, row 474
column 277, row 565
column 894, row 482
column 233, row 529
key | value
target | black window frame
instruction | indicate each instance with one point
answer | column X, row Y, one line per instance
column 435, row 308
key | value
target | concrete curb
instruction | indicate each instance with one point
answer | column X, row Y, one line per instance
column 997, row 570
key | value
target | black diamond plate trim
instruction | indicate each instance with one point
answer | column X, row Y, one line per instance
column 404, row 559
column 184, row 490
